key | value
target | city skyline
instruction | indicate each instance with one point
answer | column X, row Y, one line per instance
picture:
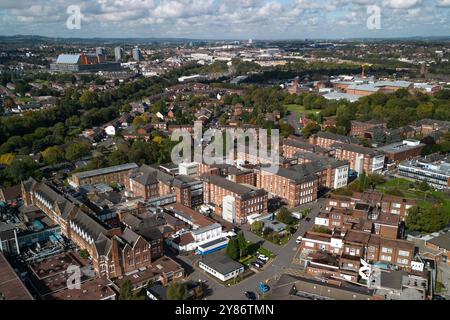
column 226, row 20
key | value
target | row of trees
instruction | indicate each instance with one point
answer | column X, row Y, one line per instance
column 237, row 247
column 428, row 218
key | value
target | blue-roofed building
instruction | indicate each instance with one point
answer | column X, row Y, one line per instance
column 83, row 63
column 69, row 58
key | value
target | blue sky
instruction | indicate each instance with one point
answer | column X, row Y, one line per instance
column 226, row 19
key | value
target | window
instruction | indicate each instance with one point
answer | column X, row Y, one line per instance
column 386, row 250
column 402, row 261
column 403, row 253
column 385, row 258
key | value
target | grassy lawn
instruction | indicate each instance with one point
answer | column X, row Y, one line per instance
column 248, row 260
column 25, row 99
column 41, row 81
column 266, row 252
column 299, row 108
column 425, row 198
column 279, row 241
column 254, row 250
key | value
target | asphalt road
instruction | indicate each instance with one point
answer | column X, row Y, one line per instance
column 283, row 260
column 292, row 119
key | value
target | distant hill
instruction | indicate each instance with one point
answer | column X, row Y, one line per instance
column 37, row 39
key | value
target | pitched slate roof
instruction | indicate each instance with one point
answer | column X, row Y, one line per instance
column 103, row 245
column 89, row 225
column 130, row 236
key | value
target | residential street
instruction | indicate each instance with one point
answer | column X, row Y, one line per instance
column 282, row 261
column 292, row 119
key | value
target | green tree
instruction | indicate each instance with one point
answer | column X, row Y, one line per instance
column 424, row 110
column 257, row 227
column 423, row 186
column 126, row 291
column 53, row 155
column 242, row 242
column 375, row 179
column 285, row 216
column 427, row 219
column 232, row 250
column 199, row 292
column 77, row 151
column 310, row 129
column 84, row 254
column 88, row 99
column 21, row 169
column 125, row 108
column 306, row 212
column 177, row 291
column 286, row 129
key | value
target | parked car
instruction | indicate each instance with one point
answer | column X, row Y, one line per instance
column 263, row 287
column 257, row 265
column 299, row 239
column 263, row 258
column 260, row 262
column 250, row 295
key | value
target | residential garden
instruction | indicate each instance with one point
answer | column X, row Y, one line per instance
column 278, row 230
column 432, row 212
column 244, row 251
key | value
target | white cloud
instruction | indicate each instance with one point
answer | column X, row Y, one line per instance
column 443, row 3
column 400, row 4
column 216, row 18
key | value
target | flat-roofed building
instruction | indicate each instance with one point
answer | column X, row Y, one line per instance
column 434, row 170
column 403, row 150
column 300, row 288
column 221, row 266
column 109, row 175
column 11, row 287
column 93, row 290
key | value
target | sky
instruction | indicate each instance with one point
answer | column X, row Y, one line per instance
column 227, row 19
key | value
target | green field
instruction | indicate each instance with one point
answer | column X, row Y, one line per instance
column 300, row 109
column 425, row 198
